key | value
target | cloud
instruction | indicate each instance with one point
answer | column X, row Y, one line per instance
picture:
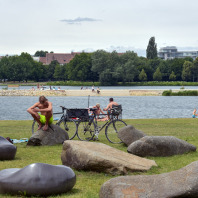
column 79, row 20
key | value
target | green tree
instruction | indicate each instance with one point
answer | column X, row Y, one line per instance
column 195, row 70
column 172, row 76
column 50, row 70
column 100, row 61
column 41, row 53
column 157, row 76
column 151, row 51
column 79, row 68
column 58, row 73
column 142, row 76
column 187, row 71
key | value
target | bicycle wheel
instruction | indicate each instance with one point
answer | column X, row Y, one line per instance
column 34, row 126
column 86, row 130
column 69, row 126
column 112, row 130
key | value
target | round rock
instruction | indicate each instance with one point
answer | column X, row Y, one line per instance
column 37, row 179
column 7, row 150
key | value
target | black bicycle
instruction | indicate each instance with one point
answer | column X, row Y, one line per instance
column 65, row 122
column 89, row 129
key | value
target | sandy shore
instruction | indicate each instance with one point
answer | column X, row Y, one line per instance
column 114, row 92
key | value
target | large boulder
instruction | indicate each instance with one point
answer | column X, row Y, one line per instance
column 7, row 150
column 99, row 157
column 54, row 135
column 160, row 146
column 37, row 179
column 180, row 183
column 130, row 134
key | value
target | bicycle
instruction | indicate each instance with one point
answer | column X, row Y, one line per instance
column 88, row 128
column 65, row 122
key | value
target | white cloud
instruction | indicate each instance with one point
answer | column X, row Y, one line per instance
column 79, row 20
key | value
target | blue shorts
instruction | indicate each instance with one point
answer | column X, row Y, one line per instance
column 193, row 116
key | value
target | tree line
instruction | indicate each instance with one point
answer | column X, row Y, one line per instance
column 101, row 66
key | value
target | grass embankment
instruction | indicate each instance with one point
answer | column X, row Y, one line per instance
column 180, row 93
column 88, row 183
column 96, row 84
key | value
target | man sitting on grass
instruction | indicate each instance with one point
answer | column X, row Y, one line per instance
column 45, row 116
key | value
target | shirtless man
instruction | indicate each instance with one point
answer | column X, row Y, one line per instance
column 109, row 106
column 45, row 116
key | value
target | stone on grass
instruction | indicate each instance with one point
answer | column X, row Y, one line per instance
column 160, row 146
column 92, row 156
column 180, row 183
column 37, row 179
column 54, row 135
column 130, row 134
column 7, row 150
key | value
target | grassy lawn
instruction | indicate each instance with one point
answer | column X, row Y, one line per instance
column 88, row 183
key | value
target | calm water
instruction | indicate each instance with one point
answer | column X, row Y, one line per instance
column 14, row 107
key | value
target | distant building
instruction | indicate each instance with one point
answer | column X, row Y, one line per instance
column 62, row 58
column 170, row 52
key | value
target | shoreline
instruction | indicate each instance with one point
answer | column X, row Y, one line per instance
column 112, row 92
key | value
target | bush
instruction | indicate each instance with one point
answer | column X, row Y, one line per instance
column 180, row 93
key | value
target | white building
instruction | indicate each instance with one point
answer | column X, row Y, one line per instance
column 170, row 52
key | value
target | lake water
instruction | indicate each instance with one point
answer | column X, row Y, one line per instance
column 134, row 107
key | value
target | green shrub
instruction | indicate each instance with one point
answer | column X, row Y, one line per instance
column 180, row 93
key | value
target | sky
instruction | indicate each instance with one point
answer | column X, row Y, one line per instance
column 63, row 26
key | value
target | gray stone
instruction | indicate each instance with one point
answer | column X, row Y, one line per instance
column 7, row 150
column 181, row 183
column 54, row 135
column 130, row 134
column 91, row 156
column 160, row 146
column 37, row 179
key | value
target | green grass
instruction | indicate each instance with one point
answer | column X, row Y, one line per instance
column 180, row 93
column 80, row 83
column 88, row 183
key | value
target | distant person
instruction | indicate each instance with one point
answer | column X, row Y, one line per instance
column 93, row 89
column 98, row 90
column 81, row 88
column 194, row 113
column 59, row 88
column 45, row 117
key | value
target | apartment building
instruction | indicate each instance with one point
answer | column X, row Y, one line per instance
column 171, row 52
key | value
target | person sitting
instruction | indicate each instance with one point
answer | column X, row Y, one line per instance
column 45, row 117
column 109, row 106
column 194, row 113
column 98, row 90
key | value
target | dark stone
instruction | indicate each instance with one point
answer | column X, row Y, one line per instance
column 7, row 150
column 182, row 183
column 160, row 146
column 54, row 135
column 130, row 134
column 37, row 179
